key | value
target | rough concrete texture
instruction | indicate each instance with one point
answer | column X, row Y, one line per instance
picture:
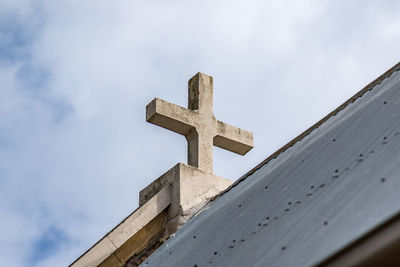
column 140, row 245
column 198, row 124
column 191, row 189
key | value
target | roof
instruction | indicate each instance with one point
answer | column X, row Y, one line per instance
column 327, row 188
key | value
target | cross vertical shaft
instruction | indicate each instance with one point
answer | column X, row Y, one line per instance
column 198, row 124
column 200, row 143
column 201, row 93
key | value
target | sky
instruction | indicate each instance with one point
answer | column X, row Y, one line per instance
column 75, row 77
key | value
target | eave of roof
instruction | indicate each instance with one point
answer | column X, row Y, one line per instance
column 379, row 247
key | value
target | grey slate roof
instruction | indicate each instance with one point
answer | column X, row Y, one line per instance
column 325, row 190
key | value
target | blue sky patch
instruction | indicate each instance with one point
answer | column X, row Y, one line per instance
column 48, row 244
column 14, row 38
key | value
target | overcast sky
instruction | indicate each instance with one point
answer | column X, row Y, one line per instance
column 75, row 77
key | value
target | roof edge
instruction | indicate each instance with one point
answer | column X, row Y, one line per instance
column 359, row 94
column 379, row 246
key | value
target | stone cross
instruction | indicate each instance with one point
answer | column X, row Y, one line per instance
column 198, row 124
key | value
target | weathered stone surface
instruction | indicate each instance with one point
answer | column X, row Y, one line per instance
column 191, row 189
column 199, row 125
column 149, row 236
column 98, row 253
column 178, row 194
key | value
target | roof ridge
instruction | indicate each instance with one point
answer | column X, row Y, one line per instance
column 300, row 137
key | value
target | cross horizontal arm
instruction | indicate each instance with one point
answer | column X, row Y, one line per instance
column 170, row 116
column 233, row 139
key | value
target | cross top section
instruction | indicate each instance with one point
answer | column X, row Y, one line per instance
column 198, row 124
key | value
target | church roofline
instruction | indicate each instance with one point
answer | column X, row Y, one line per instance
column 274, row 155
column 370, row 226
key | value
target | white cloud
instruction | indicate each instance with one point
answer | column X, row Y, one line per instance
column 75, row 148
